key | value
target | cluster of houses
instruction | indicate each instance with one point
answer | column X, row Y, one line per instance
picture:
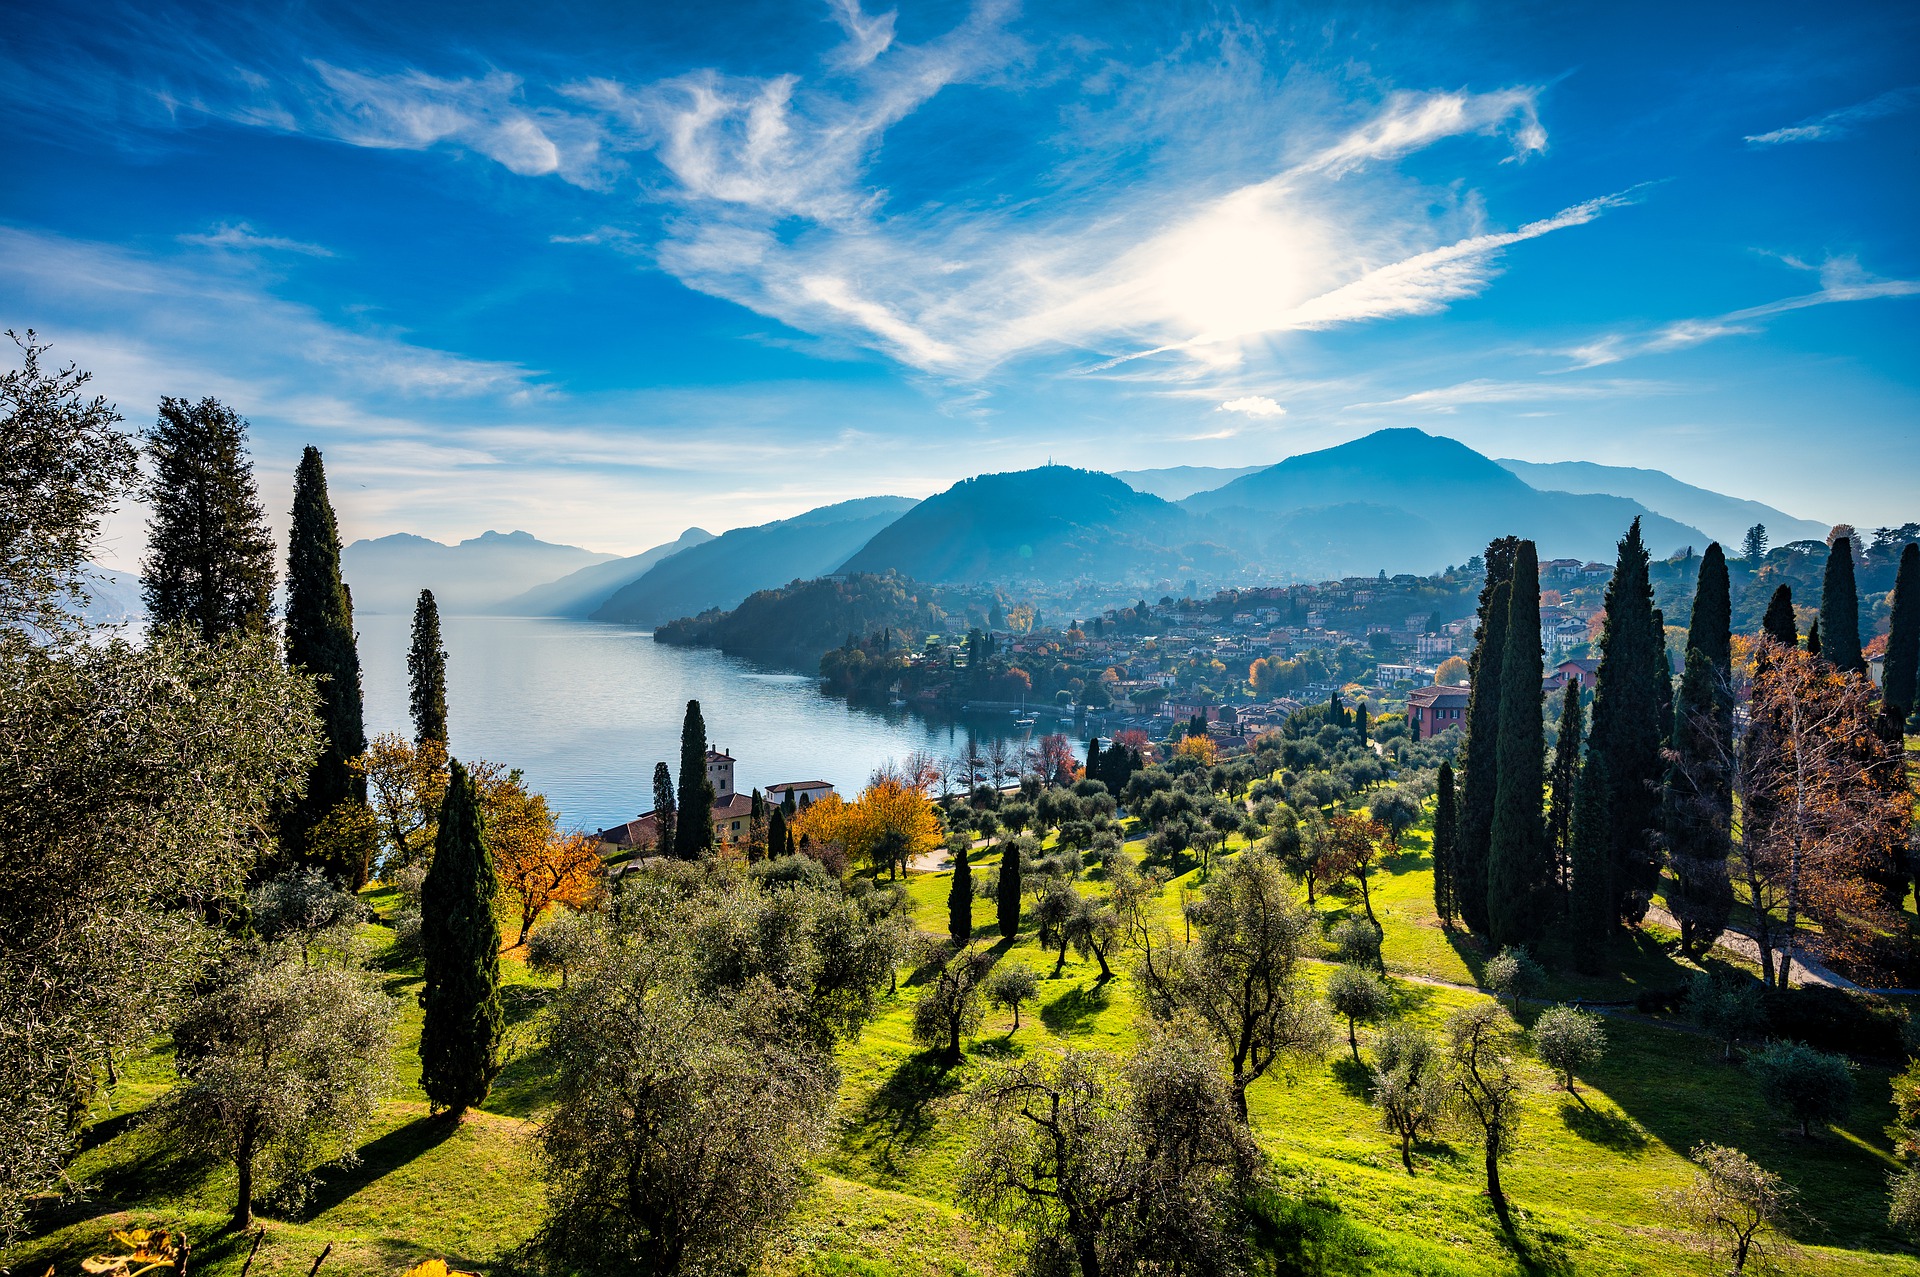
column 732, row 810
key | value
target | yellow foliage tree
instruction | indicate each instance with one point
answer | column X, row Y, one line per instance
column 1200, row 747
column 890, row 824
column 536, row 873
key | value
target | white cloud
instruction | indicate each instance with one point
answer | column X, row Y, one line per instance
column 1841, row 280
column 1483, row 390
column 868, row 35
column 1409, row 122
column 241, row 236
column 1253, row 406
column 1836, row 124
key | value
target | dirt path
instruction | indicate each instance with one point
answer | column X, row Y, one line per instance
column 1805, row 970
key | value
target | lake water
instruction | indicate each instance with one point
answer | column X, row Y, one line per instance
column 586, row 710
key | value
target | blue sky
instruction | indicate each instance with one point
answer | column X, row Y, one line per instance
column 602, row 272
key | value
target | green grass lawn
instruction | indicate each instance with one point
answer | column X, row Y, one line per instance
column 1585, row 1185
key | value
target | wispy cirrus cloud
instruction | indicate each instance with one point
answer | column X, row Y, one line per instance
column 1485, row 390
column 242, row 237
column 1837, row 124
column 1841, row 280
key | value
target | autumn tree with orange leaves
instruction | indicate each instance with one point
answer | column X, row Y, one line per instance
column 1824, row 806
column 535, row 866
column 1352, row 844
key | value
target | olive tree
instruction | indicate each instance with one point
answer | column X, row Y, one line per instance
column 1737, row 1206
column 1513, row 974
column 681, row 1123
column 1238, row 978
column 1409, row 1085
column 305, row 907
column 1104, row 1168
column 1011, row 986
column 1805, row 1085
column 1485, row 1087
column 1727, row 1007
column 1357, row 996
column 949, row 1007
column 281, row 1064
column 1569, row 1041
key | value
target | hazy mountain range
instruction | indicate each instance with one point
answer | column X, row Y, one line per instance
column 1399, row 500
column 1726, row 519
column 387, row 574
column 579, row 593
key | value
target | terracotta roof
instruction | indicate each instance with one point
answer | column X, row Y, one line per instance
column 1434, row 694
column 785, row 785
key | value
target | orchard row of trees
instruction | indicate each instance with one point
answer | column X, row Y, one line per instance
column 1774, row 766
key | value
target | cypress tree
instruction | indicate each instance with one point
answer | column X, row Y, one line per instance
column 1778, row 624
column 1813, row 638
column 320, row 642
column 1094, row 761
column 693, row 833
column 665, row 827
column 1445, row 827
column 1840, row 610
column 1901, row 671
column 1360, row 720
column 960, row 897
column 1562, row 781
column 777, row 832
column 1699, row 790
column 460, row 1035
column 209, row 561
column 1628, row 727
column 427, row 673
column 1518, row 859
column 1591, row 904
column 1007, row 899
column 1482, row 746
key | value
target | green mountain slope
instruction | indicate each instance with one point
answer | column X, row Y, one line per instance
column 721, row 572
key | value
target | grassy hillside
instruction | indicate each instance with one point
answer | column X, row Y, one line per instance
column 1585, row 1184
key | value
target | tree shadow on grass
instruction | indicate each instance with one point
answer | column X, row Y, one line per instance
column 1610, row 1130
column 335, row 1184
column 899, row 1116
column 1075, row 1009
column 1353, row 1077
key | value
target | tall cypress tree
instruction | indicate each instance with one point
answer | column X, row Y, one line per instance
column 693, row 834
column 665, row 826
column 1482, row 747
column 1562, row 780
column 1813, row 638
column 1901, row 673
column 1591, row 904
column 1360, row 720
column 1628, row 727
column 320, row 642
column 960, row 896
column 427, row 673
column 1699, row 792
column 1779, row 624
column 460, row 1035
column 1095, row 764
column 776, row 831
column 1007, row 898
column 1840, row 610
column 1518, row 860
column 1446, row 824
column 209, row 561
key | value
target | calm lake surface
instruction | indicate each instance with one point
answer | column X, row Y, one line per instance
column 586, row 710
